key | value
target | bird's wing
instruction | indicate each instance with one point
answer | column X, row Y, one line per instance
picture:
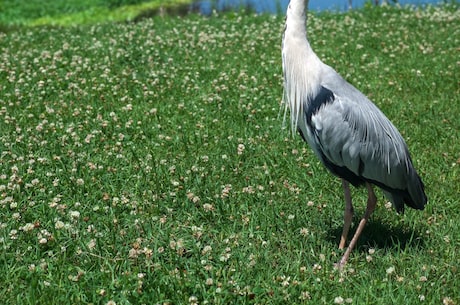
column 350, row 134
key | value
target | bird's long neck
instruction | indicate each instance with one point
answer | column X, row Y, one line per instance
column 301, row 66
column 296, row 21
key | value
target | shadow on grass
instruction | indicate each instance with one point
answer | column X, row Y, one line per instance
column 186, row 9
column 382, row 236
column 5, row 28
column 179, row 10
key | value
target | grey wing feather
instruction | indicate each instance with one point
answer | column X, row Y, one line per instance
column 353, row 133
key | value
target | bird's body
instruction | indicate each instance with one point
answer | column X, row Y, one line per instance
column 348, row 133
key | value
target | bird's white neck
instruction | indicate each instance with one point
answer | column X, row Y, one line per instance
column 301, row 66
column 297, row 52
column 296, row 18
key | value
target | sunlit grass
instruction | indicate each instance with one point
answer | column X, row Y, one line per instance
column 147, row 163
column 66, row 13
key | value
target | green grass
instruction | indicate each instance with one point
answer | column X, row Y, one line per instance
column 147, row 163
column 65, row 13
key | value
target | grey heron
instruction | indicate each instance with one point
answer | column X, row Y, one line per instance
column 347, row 132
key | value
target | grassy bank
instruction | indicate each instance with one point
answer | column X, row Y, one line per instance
column 147, row 163
column 65, row 13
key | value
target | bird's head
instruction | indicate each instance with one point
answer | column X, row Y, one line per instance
column 297, row 9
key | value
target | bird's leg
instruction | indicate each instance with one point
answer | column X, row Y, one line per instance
column 347, row 215
column 371, row 203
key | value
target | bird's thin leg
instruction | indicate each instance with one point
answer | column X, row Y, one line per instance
column 371, row 203
column 347, row 215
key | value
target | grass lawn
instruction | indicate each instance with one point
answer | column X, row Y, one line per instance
column 69, row 12
column 147, row 163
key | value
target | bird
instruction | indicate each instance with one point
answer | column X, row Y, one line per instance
column 347, row 132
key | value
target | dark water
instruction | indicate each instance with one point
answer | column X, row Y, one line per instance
column 206, row 7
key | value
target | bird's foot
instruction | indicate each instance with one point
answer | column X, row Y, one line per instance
column 339, row 266
column 343, row 261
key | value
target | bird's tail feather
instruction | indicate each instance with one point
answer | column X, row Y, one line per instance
column 416, row 189
column 413, row 197
column 396, row 199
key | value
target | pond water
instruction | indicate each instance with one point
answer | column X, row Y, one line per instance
column 206, row 7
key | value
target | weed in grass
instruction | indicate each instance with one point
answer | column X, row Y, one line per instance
column 145, row 163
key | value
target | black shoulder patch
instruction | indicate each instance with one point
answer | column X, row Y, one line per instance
column 324, row 96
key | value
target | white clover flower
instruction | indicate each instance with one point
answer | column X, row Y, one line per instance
column 206, row 249
column 74, row 214
column 59, row 225
column 240, row 149
column 28, row 227
column 390, row 270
